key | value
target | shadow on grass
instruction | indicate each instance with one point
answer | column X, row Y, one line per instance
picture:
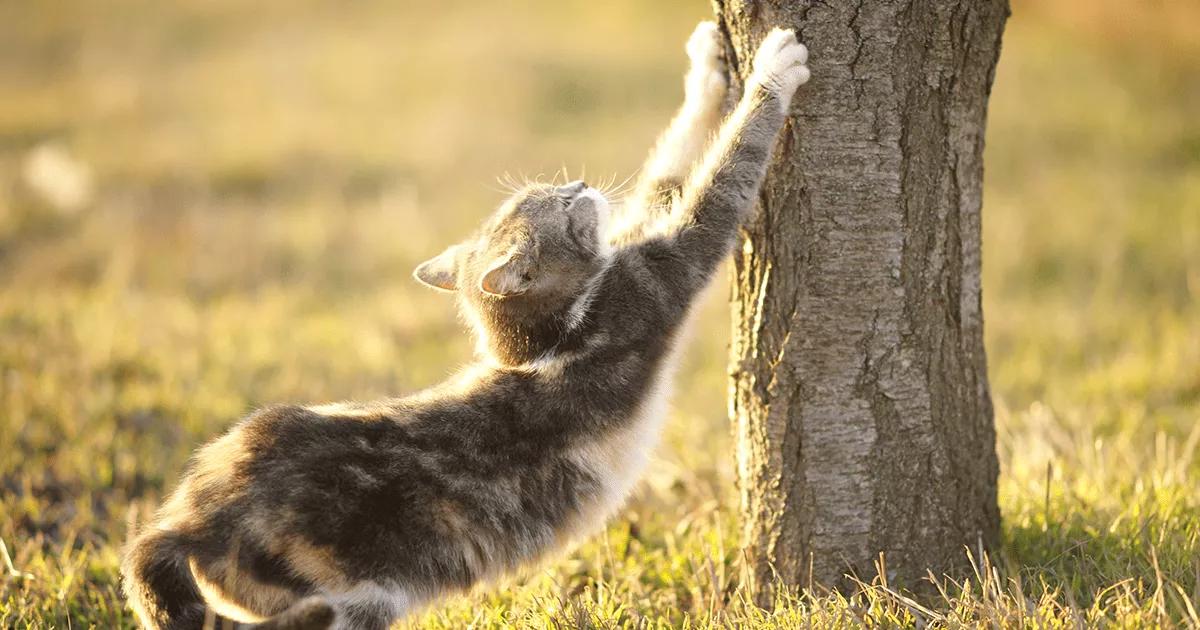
column 1088, row 564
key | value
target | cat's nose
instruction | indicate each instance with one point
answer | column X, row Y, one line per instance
column 572, row 188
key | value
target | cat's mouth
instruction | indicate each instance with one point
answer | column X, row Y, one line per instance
column 578, row 197
column 600, row 204
column 594, row 196
column 570, row 190
column 578, row 191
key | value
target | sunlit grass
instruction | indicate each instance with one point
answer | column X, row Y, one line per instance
column 267, row 175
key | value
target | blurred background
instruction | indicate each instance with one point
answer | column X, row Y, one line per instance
column 207, row 206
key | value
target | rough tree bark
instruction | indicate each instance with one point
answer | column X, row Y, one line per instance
column 858, row 378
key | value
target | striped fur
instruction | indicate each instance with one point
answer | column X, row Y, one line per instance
column 352, row 515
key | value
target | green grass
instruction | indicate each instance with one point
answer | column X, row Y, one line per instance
column 267, row 175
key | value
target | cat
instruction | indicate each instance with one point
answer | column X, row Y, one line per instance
column 354, row 515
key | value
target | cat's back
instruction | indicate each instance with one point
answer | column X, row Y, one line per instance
column 266, row 453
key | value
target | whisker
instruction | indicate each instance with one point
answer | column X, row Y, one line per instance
column 511, row 181
column 622, row 189
column 506, row 184
column 497, row 189
column 608, row 183
column 631, row 181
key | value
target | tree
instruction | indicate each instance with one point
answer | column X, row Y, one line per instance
column 858, row 377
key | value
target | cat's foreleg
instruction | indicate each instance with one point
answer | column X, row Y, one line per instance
column 681, row 146
column 720, row 192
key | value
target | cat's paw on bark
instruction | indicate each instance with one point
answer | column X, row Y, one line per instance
column 779, row 65
column 707, row 78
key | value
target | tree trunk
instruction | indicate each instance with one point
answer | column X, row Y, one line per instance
column 859, row 381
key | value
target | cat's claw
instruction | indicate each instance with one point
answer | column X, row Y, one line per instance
column 706, row 80
column 779, row 64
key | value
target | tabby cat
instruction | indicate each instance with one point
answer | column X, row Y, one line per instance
column 354, row 515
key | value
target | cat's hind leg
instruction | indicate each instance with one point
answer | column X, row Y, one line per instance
column 367, row 606
column 310, row 613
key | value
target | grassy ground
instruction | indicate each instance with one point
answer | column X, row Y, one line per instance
column 265, row 175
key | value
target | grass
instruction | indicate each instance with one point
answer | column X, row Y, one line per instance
column 266, row 175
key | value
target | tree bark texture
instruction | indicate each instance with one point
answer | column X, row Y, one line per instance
column 859, row 384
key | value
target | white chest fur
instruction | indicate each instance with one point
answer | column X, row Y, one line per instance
column 619, row 457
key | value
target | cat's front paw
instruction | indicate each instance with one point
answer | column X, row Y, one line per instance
column 706, row 80
column 779, row 65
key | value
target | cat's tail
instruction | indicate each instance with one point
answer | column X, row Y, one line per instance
column 158, row 583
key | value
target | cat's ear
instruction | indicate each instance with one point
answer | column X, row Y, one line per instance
column 441, row 271
column 507, row 276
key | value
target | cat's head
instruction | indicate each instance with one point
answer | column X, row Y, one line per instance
column 529, row 264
